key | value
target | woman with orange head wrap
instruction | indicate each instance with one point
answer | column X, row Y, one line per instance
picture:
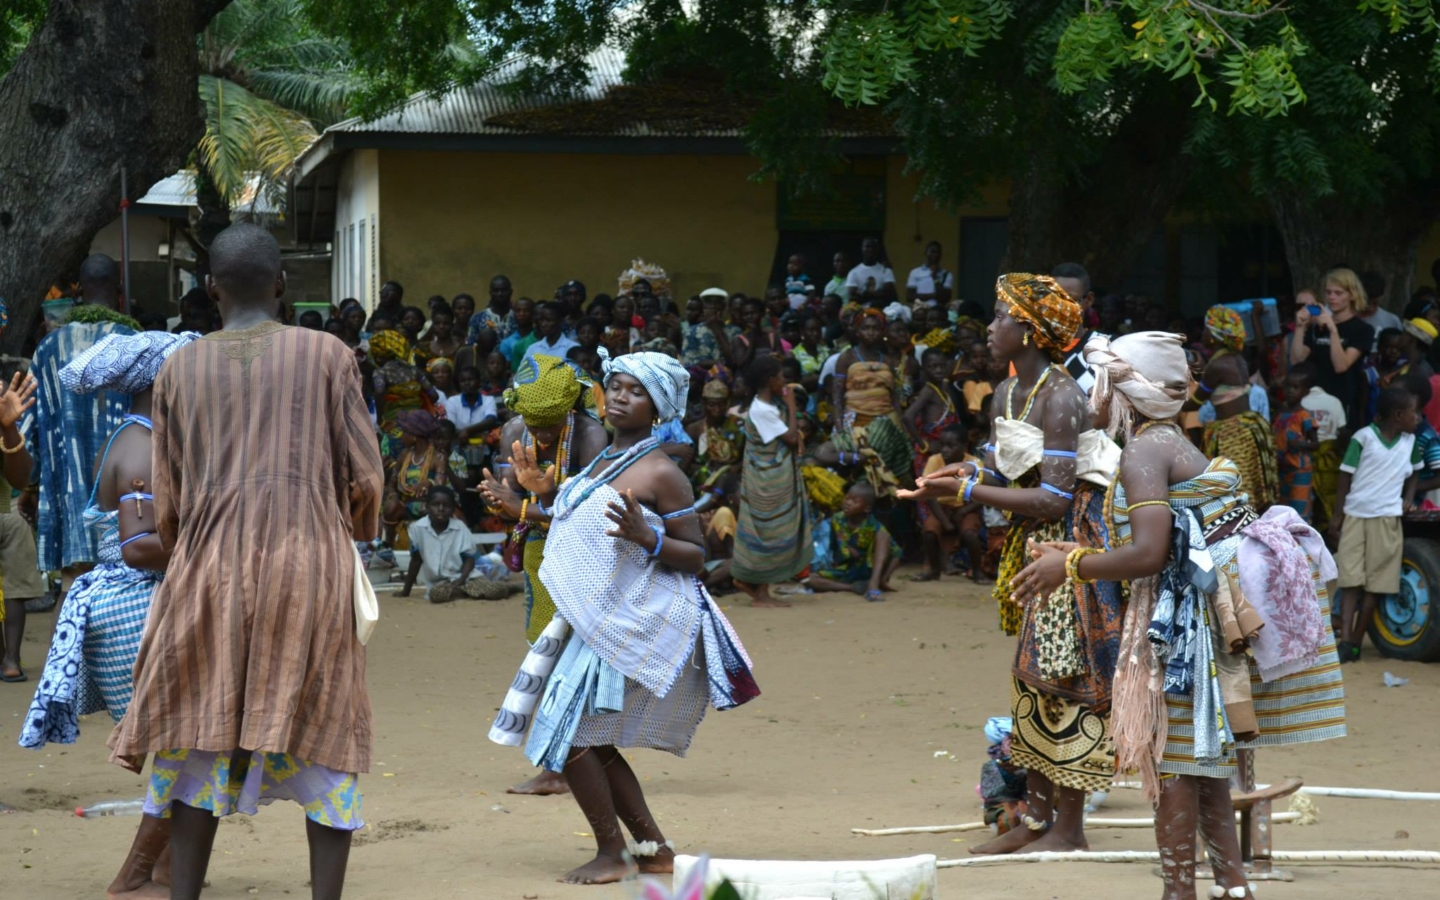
column 1047, row 467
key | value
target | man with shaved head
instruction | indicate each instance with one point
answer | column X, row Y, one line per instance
column 250, row 681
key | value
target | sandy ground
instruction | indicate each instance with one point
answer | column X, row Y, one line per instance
column 858, row 701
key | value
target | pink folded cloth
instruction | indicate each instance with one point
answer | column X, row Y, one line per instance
column 1276, row 574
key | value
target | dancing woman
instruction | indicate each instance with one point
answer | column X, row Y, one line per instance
column 91, row 663
column 1047, row 468
column 645, row 649
column 1182, row 532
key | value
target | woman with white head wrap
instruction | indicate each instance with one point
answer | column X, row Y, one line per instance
column 1184, row 696
column 97, row 631
column 645, row 651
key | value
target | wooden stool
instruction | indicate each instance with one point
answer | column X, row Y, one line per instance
column 1256, row 825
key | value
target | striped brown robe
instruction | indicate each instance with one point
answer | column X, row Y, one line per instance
column 265, row 467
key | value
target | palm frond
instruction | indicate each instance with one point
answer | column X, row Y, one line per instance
column 322, row 94
column 225, row 150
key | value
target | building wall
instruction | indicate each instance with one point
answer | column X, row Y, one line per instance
column 355, row 253
column 454, row 220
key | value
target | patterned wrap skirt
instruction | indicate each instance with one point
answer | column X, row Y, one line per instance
column 1302, row 708
column 240, row 780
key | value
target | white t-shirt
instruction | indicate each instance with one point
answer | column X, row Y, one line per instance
column 1378, row 472
column 441, row 554
column 862, row 273
column 1379, row 320
column 767, row 419
column 925, row 282
column 1328, row 412
column 464, row 416
column 558, row 349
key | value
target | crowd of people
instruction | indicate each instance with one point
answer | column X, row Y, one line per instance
column 641, row 454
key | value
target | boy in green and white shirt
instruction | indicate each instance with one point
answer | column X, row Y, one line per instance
column 1376, row 487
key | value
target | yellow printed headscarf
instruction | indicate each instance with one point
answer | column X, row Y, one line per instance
column 1227, row 327
column 1040, row 302
column 546, row 388
column 390, row 345
column 942, row 339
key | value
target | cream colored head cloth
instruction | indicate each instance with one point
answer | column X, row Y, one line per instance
column 1143, row 372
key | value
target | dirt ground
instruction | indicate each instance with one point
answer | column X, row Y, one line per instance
column 872, row 716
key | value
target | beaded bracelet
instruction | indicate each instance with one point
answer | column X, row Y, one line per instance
column 1072, row 565
column 524, row 505
column 960, row 494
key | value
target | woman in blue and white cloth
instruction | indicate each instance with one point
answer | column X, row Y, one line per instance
column 91, row 662
column 637, row 649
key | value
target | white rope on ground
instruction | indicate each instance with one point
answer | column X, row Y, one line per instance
column 1092, row 822
column 1353, row 793
column 1119, row 856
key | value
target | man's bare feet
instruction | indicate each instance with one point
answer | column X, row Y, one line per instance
column 147, row 891
column 545, row 784
column 1016, row 840
column 600, row 870
column 926, row 576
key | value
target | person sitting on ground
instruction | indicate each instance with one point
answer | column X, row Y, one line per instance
column 418, row 467
column 441, row 372
column 860, row 560
column 945, row 527
column 442, row 555
column 401, row 386
column 1378, row 477
column 550, row 339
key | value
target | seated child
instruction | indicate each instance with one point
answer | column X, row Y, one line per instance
column 860, row 558
column 442, row 554
column 945, row 526
column 1002, row 783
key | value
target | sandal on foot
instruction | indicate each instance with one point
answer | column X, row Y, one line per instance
column 18, row 677
column 875, row 596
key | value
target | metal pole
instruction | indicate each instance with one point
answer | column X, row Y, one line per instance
column 124, row 242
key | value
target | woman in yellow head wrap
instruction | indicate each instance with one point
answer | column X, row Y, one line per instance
column 549, row 398
column 1047, row 467
column 1239, row 432
column 400, row 386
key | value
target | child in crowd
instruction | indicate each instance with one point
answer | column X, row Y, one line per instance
column 1295, row 441
column 1376, row 486
column 798, row 287
column 860, row 551
column 442, row 555
column 1427, row 441
column 1329, row 415
column 945, row 525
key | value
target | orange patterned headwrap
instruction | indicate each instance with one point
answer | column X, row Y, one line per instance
column 1040, row 302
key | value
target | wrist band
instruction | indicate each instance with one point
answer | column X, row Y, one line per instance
column 969, row 487
column 1072, row 564
column 659, row 540
column 541, row 507
column 1056, row 491
column 136, row 537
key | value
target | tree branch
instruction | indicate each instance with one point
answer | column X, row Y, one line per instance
column 205, row 10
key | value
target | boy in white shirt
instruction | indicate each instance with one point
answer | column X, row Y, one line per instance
column 1376, row 487
column 442, row 554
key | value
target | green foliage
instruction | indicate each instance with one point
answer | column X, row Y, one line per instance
column 867, row 57
column 18, row 20
column 268, row 78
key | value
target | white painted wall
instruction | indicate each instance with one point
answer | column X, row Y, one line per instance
column 355, row 256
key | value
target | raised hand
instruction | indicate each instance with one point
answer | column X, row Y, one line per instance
column 498, row 495
column 630, row 524
column 538, row 481
column 16, row 398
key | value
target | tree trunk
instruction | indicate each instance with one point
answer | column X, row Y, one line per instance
column 1382, row 235
column 214, row 218
column 102, row 84
column 1103, row 214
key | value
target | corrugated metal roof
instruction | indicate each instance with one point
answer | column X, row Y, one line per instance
column 467, row 110
column 178, row 190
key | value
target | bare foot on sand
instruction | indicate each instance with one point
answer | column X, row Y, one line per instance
column 600, row 870
column 662, row 863
column 925, row 576
column 1017, row 839
column 545, row 784
column 1053, row 842
column 147, row 891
